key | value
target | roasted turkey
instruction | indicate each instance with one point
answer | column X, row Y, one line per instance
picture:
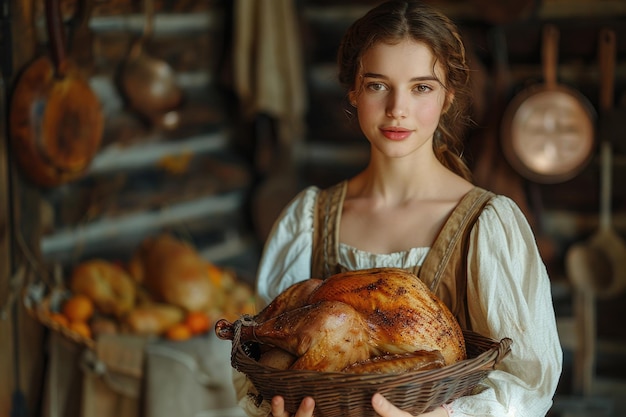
column 374, row 320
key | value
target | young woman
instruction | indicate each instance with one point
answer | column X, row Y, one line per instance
column 403, row 65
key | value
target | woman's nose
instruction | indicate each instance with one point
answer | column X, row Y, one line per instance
column 397, row 106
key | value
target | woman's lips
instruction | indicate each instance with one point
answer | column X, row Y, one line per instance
column 396, row 133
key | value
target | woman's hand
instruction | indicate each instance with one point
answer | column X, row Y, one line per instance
column 381, row 405
column 305, row 410
column 386, row 409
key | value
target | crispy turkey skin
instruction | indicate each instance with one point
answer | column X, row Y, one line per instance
column 354, row 317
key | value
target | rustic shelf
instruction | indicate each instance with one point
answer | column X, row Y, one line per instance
column 174, row 24
column 111, row 232
column 164, row 24
column 151, row 149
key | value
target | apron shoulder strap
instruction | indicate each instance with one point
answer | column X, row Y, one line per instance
column 325, row 251
column 447, row 242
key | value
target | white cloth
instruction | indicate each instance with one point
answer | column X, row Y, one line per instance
column 509, row 295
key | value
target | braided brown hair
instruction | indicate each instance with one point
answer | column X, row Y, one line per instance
column 396, row 20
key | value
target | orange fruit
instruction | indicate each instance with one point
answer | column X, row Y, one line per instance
column 60, row 319
column 178, row 331
column 215, row 275
column 78, row 308
column 198, row 322
column 81, row 328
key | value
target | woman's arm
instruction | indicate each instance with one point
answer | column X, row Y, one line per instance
column 509, row 295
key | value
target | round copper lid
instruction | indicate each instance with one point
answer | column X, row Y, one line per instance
column 551, row 136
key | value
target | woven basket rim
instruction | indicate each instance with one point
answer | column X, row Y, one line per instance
column 429, row 389
column 485, row 360
column 42, row 311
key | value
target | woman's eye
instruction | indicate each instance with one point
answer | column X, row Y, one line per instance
column 422, row 88
column 376, row 86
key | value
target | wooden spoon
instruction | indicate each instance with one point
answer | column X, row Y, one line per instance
column 600, row 265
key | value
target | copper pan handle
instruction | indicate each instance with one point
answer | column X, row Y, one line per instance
column 550, row 53
column 56, row 36
column 607, row 68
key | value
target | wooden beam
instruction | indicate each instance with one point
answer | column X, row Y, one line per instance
column 575, row 9
column 6, row 329
column 28, row 365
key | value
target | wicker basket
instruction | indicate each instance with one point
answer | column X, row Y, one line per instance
column 41, row 309
column 347, row 395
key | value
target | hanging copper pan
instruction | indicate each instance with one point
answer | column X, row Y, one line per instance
column 56, row 121
column 548, row 129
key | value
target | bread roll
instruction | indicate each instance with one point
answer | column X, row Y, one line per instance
column 173, row 272
column 108, row 285
column 153, row 319
column 277, row 358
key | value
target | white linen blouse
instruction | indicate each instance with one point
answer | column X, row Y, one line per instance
column 508, row 295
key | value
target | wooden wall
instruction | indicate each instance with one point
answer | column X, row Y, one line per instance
column 208, row 160
column 151, row 178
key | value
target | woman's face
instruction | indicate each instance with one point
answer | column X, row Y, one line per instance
column 398, row 97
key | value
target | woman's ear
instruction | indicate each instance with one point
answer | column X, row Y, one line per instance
column 352, row 98
column 449, row 101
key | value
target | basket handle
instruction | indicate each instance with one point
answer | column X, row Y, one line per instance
column 504, row 349
column 497, row 352
column 244, row 320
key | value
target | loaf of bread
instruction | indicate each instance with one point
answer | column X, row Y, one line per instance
column 173, row 272
column 152, row 319
column 109, row 286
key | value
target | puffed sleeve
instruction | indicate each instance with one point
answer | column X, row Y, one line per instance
column 509, row 295
column 286, row 256
column 286, row 260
